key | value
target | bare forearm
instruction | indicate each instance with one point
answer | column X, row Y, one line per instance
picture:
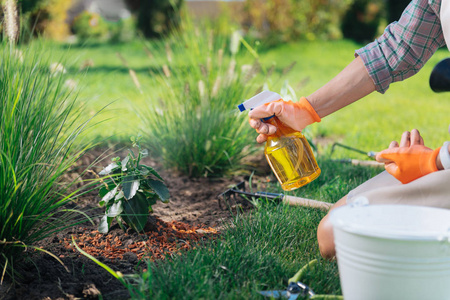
column 350, row 85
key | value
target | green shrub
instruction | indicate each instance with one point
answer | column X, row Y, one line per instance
column 40, row 123
column 89, row 25
column 362, row 20
column 285, row 20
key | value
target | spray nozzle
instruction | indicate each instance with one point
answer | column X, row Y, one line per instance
column 260, row 99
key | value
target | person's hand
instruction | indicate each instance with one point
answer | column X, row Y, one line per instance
column 409, row 160
column 295, row 115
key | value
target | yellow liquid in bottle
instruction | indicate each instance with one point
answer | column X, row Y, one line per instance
column 291, row 159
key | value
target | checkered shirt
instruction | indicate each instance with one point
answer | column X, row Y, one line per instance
column 405, row 46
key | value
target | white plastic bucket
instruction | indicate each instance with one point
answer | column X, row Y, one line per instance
column 392, row 252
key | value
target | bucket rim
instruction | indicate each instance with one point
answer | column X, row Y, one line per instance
column 336, row 218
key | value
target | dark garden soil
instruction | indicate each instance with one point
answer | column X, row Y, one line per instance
column 194, row 213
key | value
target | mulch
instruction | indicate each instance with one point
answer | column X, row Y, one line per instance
column 164, row 239
column 74, row 276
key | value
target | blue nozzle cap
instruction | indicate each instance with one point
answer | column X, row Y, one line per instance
column 268, row 118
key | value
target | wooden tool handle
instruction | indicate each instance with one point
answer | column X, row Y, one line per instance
column 371, row 163
column 298, row 201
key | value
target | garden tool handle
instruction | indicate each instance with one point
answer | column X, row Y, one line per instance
column 298, row 201
column 299, row 275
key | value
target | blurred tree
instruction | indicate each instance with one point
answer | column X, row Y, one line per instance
column 362, row 20
column 29, row 5
column 55, row 26
column 46, row 17
column 156, row 18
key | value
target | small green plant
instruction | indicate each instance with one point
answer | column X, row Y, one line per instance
column 130, row 190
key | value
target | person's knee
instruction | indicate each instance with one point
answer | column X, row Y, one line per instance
column 325, row 239
column 325, row 236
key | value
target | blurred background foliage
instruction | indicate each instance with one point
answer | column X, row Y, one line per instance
column 395, row 9
column 270, row 21
column 46, row 18
column 285, row 20
column 156, row 18
column 88, row 25
column 362, row 20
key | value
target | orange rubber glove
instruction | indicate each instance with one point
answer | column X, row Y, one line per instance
column 295, row 115
column 409, row 163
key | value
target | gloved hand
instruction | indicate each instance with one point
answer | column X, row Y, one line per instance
column 409, row 161
column 295, row 115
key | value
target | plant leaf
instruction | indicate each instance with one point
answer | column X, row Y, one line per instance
column 105, row 223
column 130, row 186
column 115, row 210
column 108, row 196
column 103, row 191
column 119, row 195
column 144, row 153
column 107, row 186
column 160, row 189
column 151, row 170
column 143, row 171
column 124, row 163
column 109, row 168
column 135, row 212
column 151, row 199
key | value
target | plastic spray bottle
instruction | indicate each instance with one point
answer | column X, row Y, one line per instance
column 287, row 151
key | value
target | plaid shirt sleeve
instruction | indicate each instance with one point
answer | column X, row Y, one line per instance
column 405, row 46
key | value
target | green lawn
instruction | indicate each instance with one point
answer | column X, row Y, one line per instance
column 369, row 124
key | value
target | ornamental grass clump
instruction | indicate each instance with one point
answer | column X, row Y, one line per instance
column 191, row 118
column 40, row 122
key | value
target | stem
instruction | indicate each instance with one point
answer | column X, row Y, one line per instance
column 119, row 222
column 11, row 20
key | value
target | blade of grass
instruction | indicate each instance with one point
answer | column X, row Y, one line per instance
column 116, row 275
